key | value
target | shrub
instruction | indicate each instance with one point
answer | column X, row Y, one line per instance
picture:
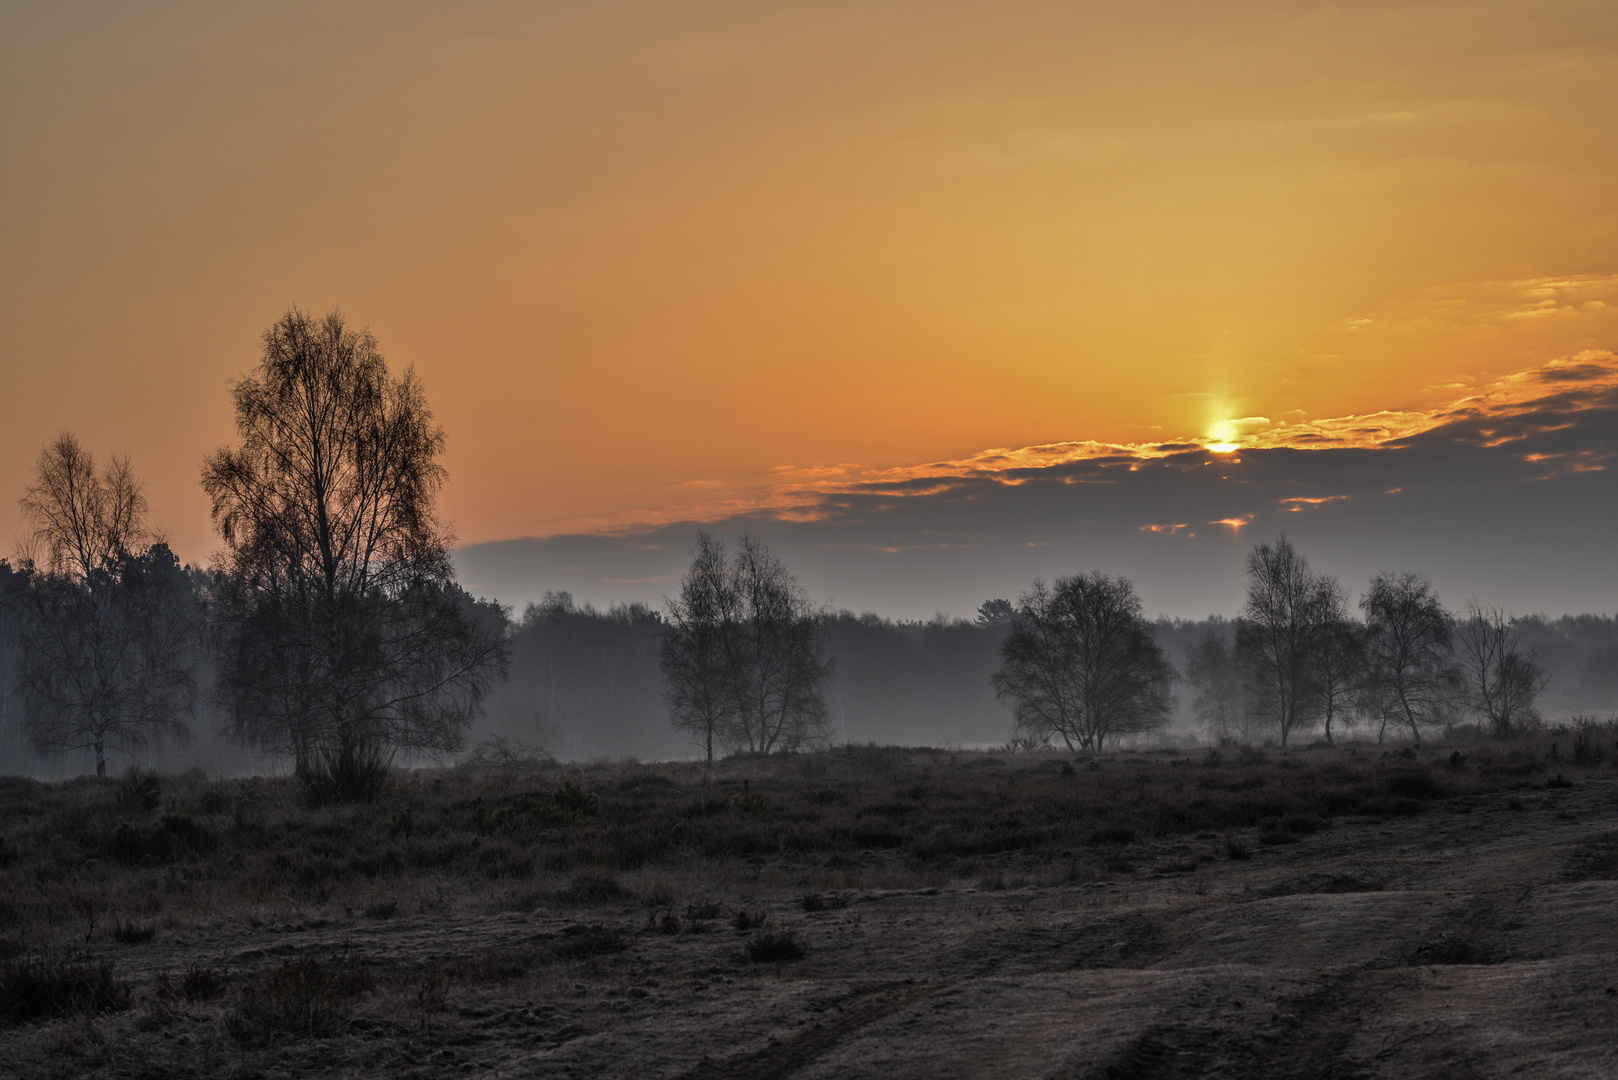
column 592, row 888
column 1415, row 785
column 1586, row 740
column 497, row 752
column 585, row 942
column 402, row 823
column 139, row 790
column 127, row 933
column 299, row 997
column 37, row 989
column 352, row 771
column 174, row 835
column 748, row 801
column 215, row 799
column 571, row 803
column 567, row 804
column 201, row 984
column 197, row 984
column 775, row 948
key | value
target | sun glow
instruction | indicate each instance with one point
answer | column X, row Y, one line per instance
column 1222, row 436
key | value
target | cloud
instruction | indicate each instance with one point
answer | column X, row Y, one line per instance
column 1505, row 494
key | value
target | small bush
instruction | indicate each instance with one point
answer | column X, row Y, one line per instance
column 497, row 752
column 197, row 984
column 750, row 920
column 748, row 801
column 38, row 989
column 299, row 997
column 402, row 823
column 126, row 933
column 1415, row 785
column 353, row 771
column 1587, row 738
column 572, row 803
column 173, row 836
column 812, row 902
column 776, row 948
column 140, row 790
column 585, row 942
column 201, row 983
column 592, row 888
column 215, row 799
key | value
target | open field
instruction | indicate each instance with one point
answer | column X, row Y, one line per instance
column 1349, row 912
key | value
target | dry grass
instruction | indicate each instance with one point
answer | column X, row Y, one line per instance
column 213, row 876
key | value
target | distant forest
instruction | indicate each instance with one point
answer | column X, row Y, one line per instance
column 586, row 684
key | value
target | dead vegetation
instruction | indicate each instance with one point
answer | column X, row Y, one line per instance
column 532, row 908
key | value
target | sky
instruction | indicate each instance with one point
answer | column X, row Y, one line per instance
column 759, row 265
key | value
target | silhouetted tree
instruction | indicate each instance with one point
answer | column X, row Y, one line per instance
column 700, row 644
column 1502, row 680
column 996, row 613
column 778, row 667
column 107, row 633
column 1411, row 674
column 742, row 652
column 1339, row 659
column 344, row 637
column 1219, row 695
column 1283, row 636
column 1081, row 662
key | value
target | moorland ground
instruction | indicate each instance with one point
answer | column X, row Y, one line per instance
column 1355, row 911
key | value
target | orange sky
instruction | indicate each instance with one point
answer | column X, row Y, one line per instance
column 641, row 252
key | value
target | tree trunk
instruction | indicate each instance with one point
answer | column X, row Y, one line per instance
column 101, row 759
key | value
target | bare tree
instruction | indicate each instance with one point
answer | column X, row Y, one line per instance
column 1219, row 696
column 83, row 518
column 1502, row 681
column 1282, row 636
column 109, row 664
column 698, row 647
column 742, row 652
column 1411, row 674
column 344, row 637
column 1081, row 663
column 1339, row 654
column 108, row 634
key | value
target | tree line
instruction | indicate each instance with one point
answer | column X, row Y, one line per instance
column 331, row 632
column 1300, row 660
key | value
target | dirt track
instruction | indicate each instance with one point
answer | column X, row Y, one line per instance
column 1474, row 939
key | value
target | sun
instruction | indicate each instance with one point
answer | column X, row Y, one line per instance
column 1223, row 435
